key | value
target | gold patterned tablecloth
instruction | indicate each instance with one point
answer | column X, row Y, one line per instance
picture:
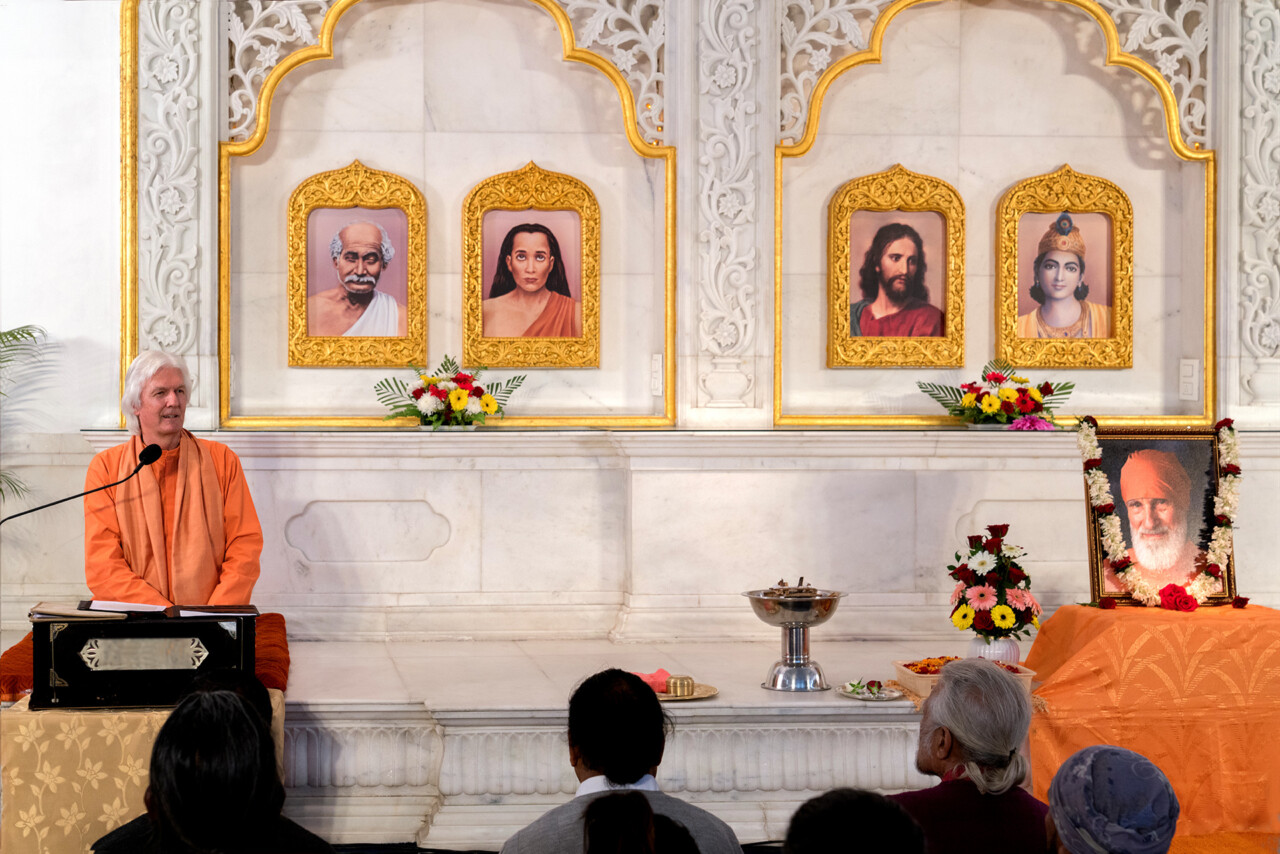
column 69, row 776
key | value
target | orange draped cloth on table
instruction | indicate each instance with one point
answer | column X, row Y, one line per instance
column 182, row 532
column 1197, row 693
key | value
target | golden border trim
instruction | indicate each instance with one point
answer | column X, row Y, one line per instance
column 128, row 188
column 897, row 189
column 349, row 187
column 529, row 187
column 1115, row 56
column 323, row 49
column 1051, row 193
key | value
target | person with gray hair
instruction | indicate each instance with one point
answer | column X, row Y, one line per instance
column 1109, row 800
column 361, row 252
column 972, row 730
column 182, row 530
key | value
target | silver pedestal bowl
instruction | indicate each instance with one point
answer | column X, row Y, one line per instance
column 794, row 615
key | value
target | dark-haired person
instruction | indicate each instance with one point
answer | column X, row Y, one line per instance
column 617, row 732
column 895, row 301
column 833, row 821
column 972, row 728
column 529, row 296
column 1065, row 311
column 213, row 787
column 624, row 823
column 183, row 531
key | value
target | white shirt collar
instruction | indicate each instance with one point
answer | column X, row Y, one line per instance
column 601, row 783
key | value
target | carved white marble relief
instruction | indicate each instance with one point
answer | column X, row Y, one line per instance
column 167, row 190
column 1260, row 200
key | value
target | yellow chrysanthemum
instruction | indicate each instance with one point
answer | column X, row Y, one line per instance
column 963, row 617
column 426, row 380
column 458, row 398
column 488, row 404
column 1035, row 394
column 1035, row 621
column 990, row 404
column 969, row 401
column 1003, row 617
column 1019, row 379
column 1009, row 394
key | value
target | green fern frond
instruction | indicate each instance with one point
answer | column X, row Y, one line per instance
column 391, row 391
column 948, row 397
column 502, row 393
column 448, row 367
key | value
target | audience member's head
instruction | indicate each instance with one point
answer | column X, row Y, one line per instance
column 1108, row 799
column 976, row 717
column 241, row 682
column 213, row 775
column 624, row 823
column 616, row 727
column 830, row 822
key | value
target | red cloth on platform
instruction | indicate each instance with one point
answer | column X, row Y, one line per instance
column 1197, row 693
column 270, row 650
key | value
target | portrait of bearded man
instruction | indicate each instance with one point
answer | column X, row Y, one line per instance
column 895, row 301
column 1158, row 501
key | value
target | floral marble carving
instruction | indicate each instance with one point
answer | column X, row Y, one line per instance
column 727, row 168
column 260, row 35
column 1260, row 200
column 1170, row 35
column 167, row 176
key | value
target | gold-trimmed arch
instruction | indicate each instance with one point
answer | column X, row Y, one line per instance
column 323, row 49
column 1116, row 56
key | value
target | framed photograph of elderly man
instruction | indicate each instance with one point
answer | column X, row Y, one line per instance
column 531, row 272
column 1163, row 488
column 1064, row 274
column 895, row 272
column 357, row 270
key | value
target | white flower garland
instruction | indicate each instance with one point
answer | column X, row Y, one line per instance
column 1225, row 506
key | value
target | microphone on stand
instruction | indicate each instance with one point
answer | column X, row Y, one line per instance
column 149, row 455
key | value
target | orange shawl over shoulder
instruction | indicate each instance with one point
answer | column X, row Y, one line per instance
column 556, row 320
column 195, row 543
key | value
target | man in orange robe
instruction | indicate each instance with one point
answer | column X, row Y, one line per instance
column 183, row 530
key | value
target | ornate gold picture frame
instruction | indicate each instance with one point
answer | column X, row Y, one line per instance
column 907, row 221
column 1073, row 234
column 531, row 272
column 356, row 231
column 1179, row 469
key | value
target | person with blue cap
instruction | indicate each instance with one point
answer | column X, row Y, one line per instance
column 1108, row 800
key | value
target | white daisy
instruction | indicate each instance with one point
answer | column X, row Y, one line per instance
column 982, row 562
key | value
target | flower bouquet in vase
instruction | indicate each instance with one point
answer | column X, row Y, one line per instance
column 993, row 596
column 1002, row 399
column 446, row 398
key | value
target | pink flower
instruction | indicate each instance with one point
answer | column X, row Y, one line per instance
column 1016, row 598
column 1030, row 422
column 957, row 593
column 982, row 597
column 1034, row 605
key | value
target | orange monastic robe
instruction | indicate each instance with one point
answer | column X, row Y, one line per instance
column 183, row 531
column 556, row 319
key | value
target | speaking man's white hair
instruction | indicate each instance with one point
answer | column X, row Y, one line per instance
column 388, row 251
column 144, row 367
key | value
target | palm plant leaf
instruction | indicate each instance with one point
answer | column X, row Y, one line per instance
column 502, row 393
column 448, row 367
column 948, row 396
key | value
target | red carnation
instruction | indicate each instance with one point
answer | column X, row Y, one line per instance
column 1231, row 468
column 1007, row 407
column 437, row 391
column 993, row 545
column 1174, row 597
column 417, row 393
column 1226, row 422
column 1046, row 389
column 982, row 620
column 1122, row 564
column 1107, row 604
column 477, row 391
column 1087, row 419
column 997, row 530
column 1092, row 463
column 1106, row 509
column 971, row 388
column 995, row 377
column 975, row 541
column 1239, row 601
column 461, row 378
column 1214, row 570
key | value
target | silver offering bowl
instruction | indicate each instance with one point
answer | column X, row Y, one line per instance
column 795, row 672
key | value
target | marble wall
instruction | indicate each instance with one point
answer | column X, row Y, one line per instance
column 595, row 533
